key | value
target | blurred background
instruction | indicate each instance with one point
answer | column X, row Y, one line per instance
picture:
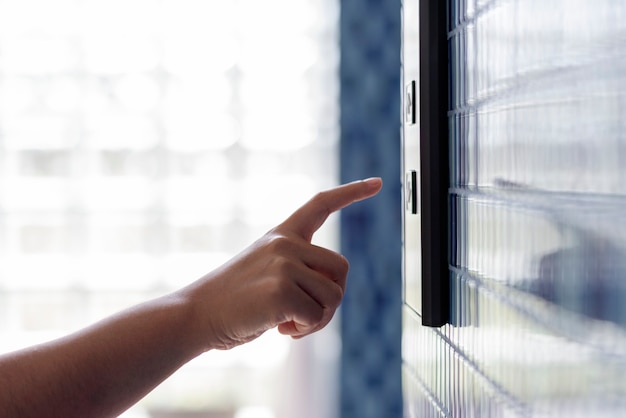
column 145, row 142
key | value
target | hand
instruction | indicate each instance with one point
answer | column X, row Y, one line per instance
column 281, row 280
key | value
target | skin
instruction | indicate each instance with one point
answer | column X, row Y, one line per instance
column 281, row 280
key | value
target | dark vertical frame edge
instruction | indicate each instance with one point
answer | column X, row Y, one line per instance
column 433, row 96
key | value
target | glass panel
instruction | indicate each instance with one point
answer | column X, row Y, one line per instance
column 538, row 278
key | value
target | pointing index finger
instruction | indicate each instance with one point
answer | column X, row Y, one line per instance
column 310, row 216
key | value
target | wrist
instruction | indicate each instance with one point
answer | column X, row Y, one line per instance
column 184, row 318
column 200, row 331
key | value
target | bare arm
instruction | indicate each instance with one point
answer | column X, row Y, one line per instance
column 280, row 280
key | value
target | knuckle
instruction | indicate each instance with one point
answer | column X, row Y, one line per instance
column 279, row 244
column 339, row 270
column 336, row 296
column 344, row 265
column 316, row 316
column 320, row 200
column 284, row 266
column 319, row 196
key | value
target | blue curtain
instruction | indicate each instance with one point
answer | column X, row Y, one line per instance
column 371, row 231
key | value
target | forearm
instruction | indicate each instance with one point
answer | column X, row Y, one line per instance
column 101, row 370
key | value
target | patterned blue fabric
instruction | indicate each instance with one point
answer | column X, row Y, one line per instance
column 371, row 231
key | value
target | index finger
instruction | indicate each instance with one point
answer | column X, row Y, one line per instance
column 310, row 216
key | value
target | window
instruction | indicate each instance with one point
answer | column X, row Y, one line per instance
column 145, row 142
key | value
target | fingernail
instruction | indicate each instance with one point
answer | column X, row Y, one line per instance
column 373, row 182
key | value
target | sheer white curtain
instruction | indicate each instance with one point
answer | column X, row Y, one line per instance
column 144, row 142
